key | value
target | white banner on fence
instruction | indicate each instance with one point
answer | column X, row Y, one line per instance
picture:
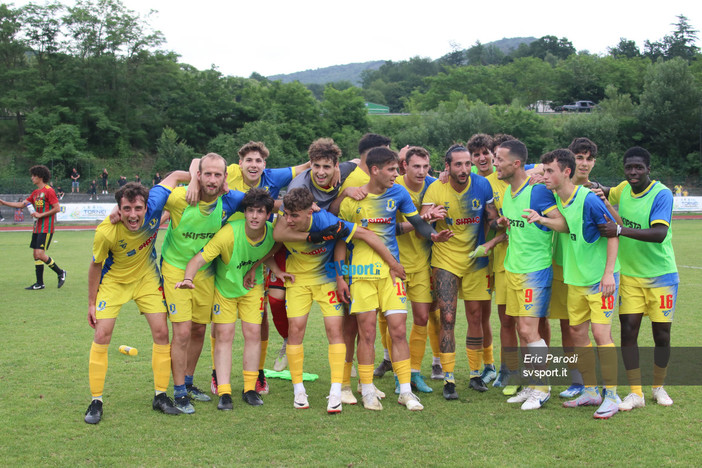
column 687, row 203
column 84, row 211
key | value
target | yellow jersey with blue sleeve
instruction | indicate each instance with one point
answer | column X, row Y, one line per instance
column 128, row 256
column 379, row 214
column 272, row 181
column 313, row 264
column 415, row 251
column 465, row 218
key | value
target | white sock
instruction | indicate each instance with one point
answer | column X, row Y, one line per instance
column 405, row 388
column 367, row 388
column 335, row 388
column 386, row 354
column 298, row 388
column 435, row 361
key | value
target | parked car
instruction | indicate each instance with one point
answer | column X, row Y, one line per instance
column 578, row 106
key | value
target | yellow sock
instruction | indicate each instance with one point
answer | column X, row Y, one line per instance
column 448, row 361
column 250, row 380
column 346, row 380
column 608, row 365
column 296, row 356
column 511, row 357
column 586, row 365
column 475, row 361
column 224, row 389
column 402, row 369
column 212, row 349
column 337, row 353
column 433, row 327
column 161, row 365
column 417, row 346
column 97, row 368
column 365, row 373
column 659, row 374
column 264, row 350
column 383, row 328
column 488, row 357
column 634, row 378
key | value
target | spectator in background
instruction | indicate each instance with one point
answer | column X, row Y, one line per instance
column 92, row 191
column 157, row 179
column 122, row 181
column 104, row 176
column 137, row 179
column 59, row 193
column 75, row 184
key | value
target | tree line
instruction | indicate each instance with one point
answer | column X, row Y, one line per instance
column 90, row 86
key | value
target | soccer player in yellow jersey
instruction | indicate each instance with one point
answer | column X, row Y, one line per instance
column 237, row 247
column 189, row 310
column 249, row 173
column 467, row 199
column 372, row 282
column 124, row 268
column 649, row 284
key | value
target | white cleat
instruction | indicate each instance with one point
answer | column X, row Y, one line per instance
column 536, row 400
column 347, row 396
column 661, row 397
column 631, row 402
column 378, row 392
column 520, row 397
column 371, row 402
column 334, row 403
column 410, row 401
column 301, row 401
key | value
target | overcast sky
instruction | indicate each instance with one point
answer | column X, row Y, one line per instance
column 274, row 36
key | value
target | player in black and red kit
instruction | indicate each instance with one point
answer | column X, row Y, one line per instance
column 46, row 205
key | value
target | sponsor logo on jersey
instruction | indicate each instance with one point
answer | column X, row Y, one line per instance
column 148, row 241
column 198, row 235
column 473, row 220
column 630, row 224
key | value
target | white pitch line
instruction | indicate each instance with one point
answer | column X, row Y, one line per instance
column 688, row 266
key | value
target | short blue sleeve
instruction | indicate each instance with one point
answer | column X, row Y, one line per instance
column 484, row 189
column 274, row 180
column 158, row 195
column 662, row 208
column 528, row 167
column 429, row 180
column 231, row 202
column 541, row 199
column 594, row 212
column 322, row 219
column 404, row 200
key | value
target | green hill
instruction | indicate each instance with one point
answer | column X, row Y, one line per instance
column 349, row 72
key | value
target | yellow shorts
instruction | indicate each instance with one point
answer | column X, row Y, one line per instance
column 586, row 303
column 559, row 300
column 656, row 302
column 499, row 285
column 146, row 292
column 420, row 286
column 248, row 307
column 298, row 300
column 475, row 286
column 188, row 304
column 528, row 294
column 367, row 295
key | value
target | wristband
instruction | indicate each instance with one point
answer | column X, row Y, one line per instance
column 188, row 279
column 619, row 229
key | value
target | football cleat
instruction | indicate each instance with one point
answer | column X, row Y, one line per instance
column 437, row 372
column 502, row 379
column 450, row 392
column 609, row 406
column 300, row 401
column 410, row 401
column 281, row 362
column 488, row 374
column 661, row 397
column 94, row 413
column 573, row 391
column 536, row 400
column 262, row 384
column 334, row 403
column 418, row 383
column 347, row 396
column 372, row 402
column 184, row 406
column 251, row 398
column 397, row 386
column 354, row 372
column 589, row 397
column 213, row 383
column 197, row 394
column 34, row 287
column 378, row 392
column 383, row 367
column 225, row 402
column 61, row 278
column 477, row 384
column 632, row 400
column 164, row 404
column 520, row 397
